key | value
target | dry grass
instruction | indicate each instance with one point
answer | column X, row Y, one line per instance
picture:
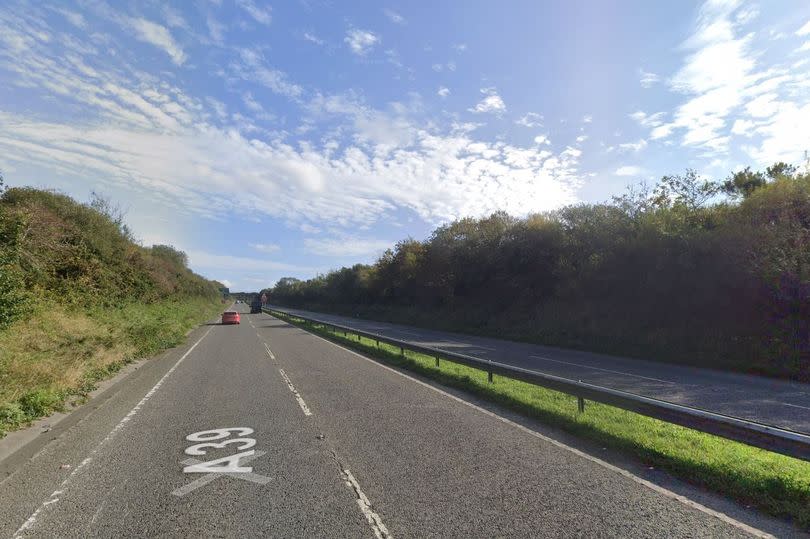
column 55, row 353
column 53, row 348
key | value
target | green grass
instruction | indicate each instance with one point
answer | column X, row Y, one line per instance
column 774, row 483
column 57, row 354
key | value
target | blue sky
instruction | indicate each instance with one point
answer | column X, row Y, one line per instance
column 289, row 138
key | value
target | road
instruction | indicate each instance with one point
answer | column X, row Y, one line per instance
column 322, row 443
column 773, row 402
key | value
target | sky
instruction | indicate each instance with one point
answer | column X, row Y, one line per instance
column 287, row 138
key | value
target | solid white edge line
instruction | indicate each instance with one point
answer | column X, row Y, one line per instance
column 652, row 486
column 298, row 397
column 53, row 498
column 603, row 370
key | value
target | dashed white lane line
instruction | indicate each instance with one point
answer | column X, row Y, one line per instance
column 298, row 397
column 601, row 369
column 629, row 475
column 374, row 520
column 53, row 498
column 796, row 406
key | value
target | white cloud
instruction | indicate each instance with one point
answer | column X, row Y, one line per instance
column 251, row 103
column 743, row 127
column 460, row 47
column 350, row 247
column 437, row 176
column 394, row 16
column 266, row 247
column 715, row 76
column 647, row 78
column 629, row 171
column 253, row 67
column 361, row 41
column 159, row 36
column 260, row 14
column 785, row 137
column 542, row 139
column 137, row 131
column 530, row 119
column 216, row 30
column 313, row 38
column 633, row 146
column 587, row 119
column 443, row 91
column 648, row 120
column 730, row 90
column 582, row 138
column 492, row 103
column 74, row 18
column 662, row 131
column 214, row 263
column 763, row 106
column 173, row 18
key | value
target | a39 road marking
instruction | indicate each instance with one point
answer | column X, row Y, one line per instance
column 204, row 480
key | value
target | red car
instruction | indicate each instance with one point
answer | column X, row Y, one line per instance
column 230, row 317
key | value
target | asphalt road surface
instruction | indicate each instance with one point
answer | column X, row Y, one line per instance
column 263, row 429
column 772, row 402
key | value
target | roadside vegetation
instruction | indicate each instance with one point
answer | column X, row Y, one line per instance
column 80, row 298
column 714, row 274
column 773, row 483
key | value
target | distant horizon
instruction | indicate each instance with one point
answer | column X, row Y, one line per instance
column 270, row 139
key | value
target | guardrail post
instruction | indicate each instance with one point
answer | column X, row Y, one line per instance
column 437, row 361
column 489, row 377
column 378, row 343
column 402, row 351
column 580, row 405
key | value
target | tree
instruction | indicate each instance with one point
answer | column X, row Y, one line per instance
column 688, row 190
column 114, row 212
column 744, row 182
column 780, row 169
column 167, row 252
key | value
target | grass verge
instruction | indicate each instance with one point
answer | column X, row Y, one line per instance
column 775, row 484
column 54, row 355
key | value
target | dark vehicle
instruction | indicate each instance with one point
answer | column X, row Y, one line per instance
column 255, row 306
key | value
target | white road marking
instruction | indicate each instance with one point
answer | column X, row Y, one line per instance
column 604, row 370
column 127, row 418
column 204, row 480
column 374, row 520
column 796, row 406
column 468, row 345
column 629, row 475
column 269, row 352
column 298, row 397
